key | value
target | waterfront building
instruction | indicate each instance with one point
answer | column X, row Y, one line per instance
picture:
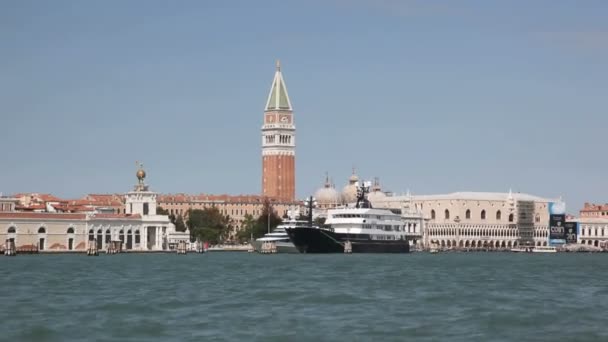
column 594, row 210
column 478, row 219
column 593, row 231
column 278, row 143
column 137, row 229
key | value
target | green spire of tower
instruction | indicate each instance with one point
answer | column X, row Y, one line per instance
column 278, row 99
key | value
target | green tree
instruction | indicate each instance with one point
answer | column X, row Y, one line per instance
column 178, row 220
column 247, row 228
column 179, row 223
column 208, row 225
column 259, row 226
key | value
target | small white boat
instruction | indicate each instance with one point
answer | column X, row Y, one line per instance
column 278, row 239
column 534, row 249
column 434, row 248
column 544, row 249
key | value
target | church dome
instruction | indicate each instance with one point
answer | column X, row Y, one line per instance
column 327, row 196
column 376, row 196
column 349, row 192
column 376, row 193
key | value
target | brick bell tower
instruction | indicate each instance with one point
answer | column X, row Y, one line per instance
column 278, row 143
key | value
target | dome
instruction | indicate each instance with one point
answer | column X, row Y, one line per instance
column 327, row 196
column 349, row 192
column 376, row 196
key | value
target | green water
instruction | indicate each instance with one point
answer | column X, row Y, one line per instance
column 242, row 296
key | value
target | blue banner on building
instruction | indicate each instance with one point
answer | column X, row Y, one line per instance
column 557, row 232
column 557, row 219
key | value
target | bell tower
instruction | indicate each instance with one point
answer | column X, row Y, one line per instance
column 278, row 142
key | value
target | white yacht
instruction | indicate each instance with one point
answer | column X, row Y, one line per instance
column 362, row 228
column 278, row 238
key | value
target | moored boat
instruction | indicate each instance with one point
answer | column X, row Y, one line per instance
column 278, row 240
column 358, row 229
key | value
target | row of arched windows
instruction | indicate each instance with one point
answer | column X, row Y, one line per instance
column 108, row 238
column 474, row 232
column 588, row 231
column 446, row 215
column 482, row 244
column 41, row 230
column 283, row 139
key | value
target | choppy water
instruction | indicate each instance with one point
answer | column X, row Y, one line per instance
column 241, row 296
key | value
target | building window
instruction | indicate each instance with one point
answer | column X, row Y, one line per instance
column 12, row 230
column 468, row 214
column 447, row 214
column 498, row 215
column 41, row 230
column 432, row 214
column 483, row 214
column 146, row 209
column 511, row 217
column 70, row 230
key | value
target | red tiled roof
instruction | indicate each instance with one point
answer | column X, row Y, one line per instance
column 594, row 207
column 45, row 216
column 64, row 216
column 186, row 198
column 30, row 207
column 117, row 216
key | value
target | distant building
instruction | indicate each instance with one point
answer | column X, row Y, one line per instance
column 137, row 229
column 235, row 206
column 594, row 210
column 593, row 231
column 92, row 203
column 7, row 204
column 478, row 219
column 278, row 143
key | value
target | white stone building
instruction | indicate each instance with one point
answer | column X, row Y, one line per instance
column 472, row 220
column 593, row 231
column 139, row 229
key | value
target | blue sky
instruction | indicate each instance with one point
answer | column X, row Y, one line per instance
column 431, row 96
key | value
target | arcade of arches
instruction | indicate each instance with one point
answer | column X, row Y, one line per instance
column 477, row 236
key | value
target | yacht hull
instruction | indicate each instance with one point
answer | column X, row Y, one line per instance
column 315, row 240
